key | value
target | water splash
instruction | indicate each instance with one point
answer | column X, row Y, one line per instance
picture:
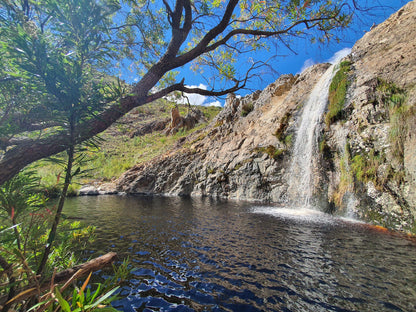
column 302, row 214
column 300, row 178
column 351, row 205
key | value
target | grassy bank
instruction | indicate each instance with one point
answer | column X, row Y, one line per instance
column 118, row 150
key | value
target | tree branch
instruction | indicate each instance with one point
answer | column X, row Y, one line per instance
column 204, row 45
column 26, row 153
column 264, row 33
column 181, row 20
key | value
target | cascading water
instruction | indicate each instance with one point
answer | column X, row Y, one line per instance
column 300, row 178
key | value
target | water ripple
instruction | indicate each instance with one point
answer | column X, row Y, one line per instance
column 202, row 255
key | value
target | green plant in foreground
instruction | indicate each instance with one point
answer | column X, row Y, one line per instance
column 24, row 232
column 82, row 299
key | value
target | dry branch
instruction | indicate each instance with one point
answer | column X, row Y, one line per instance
column 63, row 276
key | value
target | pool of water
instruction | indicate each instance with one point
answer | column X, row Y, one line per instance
column 209, row 255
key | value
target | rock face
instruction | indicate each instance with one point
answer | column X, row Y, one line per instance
column 230, row 158
column 375, row 141
column 367, row 160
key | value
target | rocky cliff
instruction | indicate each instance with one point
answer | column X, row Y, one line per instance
column 365, row 162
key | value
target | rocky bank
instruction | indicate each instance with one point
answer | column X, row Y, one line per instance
column 366, row 164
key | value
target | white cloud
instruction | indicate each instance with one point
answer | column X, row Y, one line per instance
column 333, row 59
column 215, row 103
column 198, row 99
column 307, row 63
column 194, row 99
column 339, row 55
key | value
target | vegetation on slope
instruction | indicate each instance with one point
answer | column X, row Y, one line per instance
column 118, row 149
column 337, row 93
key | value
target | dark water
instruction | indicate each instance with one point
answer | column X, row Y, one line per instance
column 206, row 255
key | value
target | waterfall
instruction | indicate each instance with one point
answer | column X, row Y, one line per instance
column 300, row 176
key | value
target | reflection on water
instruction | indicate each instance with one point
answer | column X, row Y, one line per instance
column 206, row 255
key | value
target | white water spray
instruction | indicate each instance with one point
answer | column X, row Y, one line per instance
column 300, row 178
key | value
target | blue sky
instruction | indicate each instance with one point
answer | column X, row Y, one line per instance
column 287, row 62
column 284, row 61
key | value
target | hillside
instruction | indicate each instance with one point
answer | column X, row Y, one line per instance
column 363, row 161
column 136, row 138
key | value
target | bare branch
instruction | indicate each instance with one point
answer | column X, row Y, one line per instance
column 264, row 33
column 169, row 10
column 63, row 276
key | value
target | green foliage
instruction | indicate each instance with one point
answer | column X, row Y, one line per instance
column 211, row 170
column 393, row 99
column 71, row 236
column 25, row 220
column 389, row 95
column 86, row 298
column 118, row 152
column 365, row 167
column 270, row 150
column 200, row 137
column 258, row 16
column 55, row 67
column 210, row 111
column 246, row 108
column 57, row 56
column 288, row 140
column 18, row 195
column 337, row 93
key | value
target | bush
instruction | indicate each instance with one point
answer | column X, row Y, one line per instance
column 25, row 224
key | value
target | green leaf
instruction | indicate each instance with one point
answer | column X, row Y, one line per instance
column 101, row 299
column 62, row 302
column 96, row 293
column 38, row 305
column 74, row 297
